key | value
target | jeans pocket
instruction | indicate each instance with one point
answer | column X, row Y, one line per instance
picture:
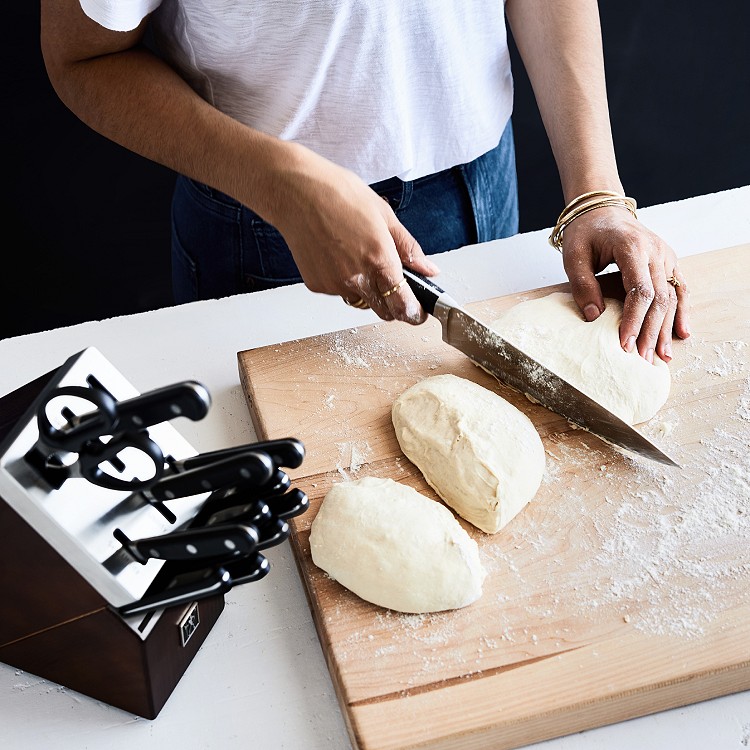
column 266, row 260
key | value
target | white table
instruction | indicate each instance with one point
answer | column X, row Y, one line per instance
column 260, row 681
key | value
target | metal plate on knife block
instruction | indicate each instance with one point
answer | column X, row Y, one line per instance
column 58, row 618
column 622, row 589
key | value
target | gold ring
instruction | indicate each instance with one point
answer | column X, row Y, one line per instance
column 360, row 304
column 674, row 281
column 394, row 289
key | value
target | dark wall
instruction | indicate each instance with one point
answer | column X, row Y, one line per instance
column 86, row 223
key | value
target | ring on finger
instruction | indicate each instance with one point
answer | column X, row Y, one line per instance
column 674, row 281
column 359, row 303
column 393, row 289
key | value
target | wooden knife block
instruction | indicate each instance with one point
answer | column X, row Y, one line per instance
column 57, row 626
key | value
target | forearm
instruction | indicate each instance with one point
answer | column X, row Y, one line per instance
column 135, row 99
column 560, row 44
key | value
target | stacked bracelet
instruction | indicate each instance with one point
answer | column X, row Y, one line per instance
column 585, row 203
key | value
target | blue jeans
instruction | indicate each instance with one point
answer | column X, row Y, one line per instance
column 220, row 247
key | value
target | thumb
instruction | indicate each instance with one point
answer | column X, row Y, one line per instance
column 584, row 286
column 411, row 254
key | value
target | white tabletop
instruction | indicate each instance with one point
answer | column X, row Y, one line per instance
column 260, row 681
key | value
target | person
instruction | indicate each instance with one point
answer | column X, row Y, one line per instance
column 336, row 141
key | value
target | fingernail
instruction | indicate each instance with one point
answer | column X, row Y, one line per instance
column 667, row 353
column 433, row 267
column 591, row 312
column 413, row 312
column 629, row 344
column 650, row 356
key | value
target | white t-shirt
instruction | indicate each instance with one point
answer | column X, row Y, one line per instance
column 383, row 87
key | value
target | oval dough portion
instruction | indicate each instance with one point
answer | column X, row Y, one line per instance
column 588, row 355
column 481, row 454
column 396, row 548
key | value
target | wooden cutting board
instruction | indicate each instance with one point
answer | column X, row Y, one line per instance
column 621, row 590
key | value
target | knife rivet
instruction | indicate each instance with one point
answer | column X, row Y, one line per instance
column 175, row 409
column 229, row 544
column 191, row 548
column 154, row 553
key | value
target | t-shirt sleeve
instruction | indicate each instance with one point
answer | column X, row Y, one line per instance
column 118, row 15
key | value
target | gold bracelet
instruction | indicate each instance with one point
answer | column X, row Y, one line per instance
column 585, row 203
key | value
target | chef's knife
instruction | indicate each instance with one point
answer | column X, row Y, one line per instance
column 217, row 543
column 486, row 348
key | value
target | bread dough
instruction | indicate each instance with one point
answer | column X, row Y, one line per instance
column 588, row 355
column 481, row 454
column 396, row 548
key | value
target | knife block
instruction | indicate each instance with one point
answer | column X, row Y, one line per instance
column 56, row 625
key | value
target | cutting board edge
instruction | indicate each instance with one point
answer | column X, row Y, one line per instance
column 571, row 719
column 527, row 725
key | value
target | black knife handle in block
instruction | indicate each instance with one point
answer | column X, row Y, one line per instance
column 426, row 291
column 247, row 467
column 214, row 581
column 292, row 504
column 272, row 533
column 248, row 514
column 287, row 452
column 216, row 543
column 249, row 569
column 187, row 399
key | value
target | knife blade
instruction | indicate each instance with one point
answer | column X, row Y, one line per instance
column 486, row 348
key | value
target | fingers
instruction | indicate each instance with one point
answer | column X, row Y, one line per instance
column 579, row 267
column 656, row 301
column 652, row 305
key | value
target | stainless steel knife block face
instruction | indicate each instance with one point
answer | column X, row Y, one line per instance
column 59, row 597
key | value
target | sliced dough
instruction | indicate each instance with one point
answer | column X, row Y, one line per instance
column 396, row 548
column 481, row 454
column 588, row 355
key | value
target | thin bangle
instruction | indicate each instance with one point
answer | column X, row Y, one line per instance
column 585, row 203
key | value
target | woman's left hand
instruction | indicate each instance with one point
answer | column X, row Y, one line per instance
column 656, row 301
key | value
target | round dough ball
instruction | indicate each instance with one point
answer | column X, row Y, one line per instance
column 396, row 548
column 482, row 456
column 588, row 355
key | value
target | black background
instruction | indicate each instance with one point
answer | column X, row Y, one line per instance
column 86, row 223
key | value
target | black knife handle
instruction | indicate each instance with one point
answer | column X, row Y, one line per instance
column 249, row 569
column 272, row 533
column 426, row 291
column 255, row 468
column 287, row 452
column 292, row 504
column 216, row 543
column 187, row 399
column 248, row 514
column 214, row 581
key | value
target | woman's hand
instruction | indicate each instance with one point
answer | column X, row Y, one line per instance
column 656, row 301
column 345, row 239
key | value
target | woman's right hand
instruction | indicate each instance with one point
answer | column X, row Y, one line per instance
column 345, row 239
